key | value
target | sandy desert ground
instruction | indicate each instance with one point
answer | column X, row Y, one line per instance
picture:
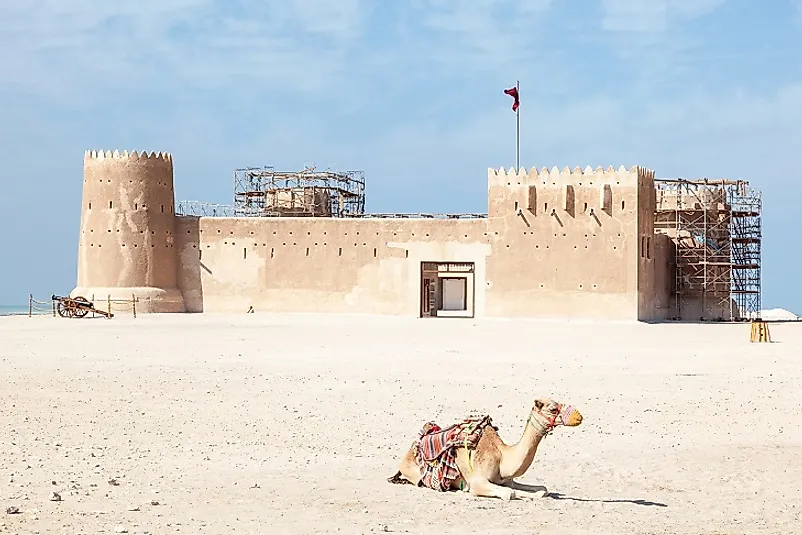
column 291, row 424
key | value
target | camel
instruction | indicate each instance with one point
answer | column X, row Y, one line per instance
column 470, row 455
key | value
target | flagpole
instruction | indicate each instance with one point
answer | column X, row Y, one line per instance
column 518, row 129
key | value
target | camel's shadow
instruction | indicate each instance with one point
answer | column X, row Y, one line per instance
column 646, row 503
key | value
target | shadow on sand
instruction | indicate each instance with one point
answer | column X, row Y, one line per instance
column 558, row 496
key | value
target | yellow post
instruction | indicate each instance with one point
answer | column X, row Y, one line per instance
column 760, row 332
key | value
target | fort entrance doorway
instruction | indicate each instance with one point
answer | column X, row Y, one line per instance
column 447, row 290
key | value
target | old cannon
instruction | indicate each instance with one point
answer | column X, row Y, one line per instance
column 76, row 307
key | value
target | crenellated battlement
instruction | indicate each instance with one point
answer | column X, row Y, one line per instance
column 566, row 175
column 127, row 240
column 125, row 155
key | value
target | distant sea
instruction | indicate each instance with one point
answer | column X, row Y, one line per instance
column 8, row 310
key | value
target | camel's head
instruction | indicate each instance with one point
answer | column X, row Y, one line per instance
column 557, row 413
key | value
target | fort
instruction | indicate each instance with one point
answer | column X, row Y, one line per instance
column 612, row 243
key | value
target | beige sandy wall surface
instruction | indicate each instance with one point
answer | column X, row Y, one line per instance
column 290, row 424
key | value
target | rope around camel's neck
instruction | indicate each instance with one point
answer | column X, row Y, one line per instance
column 542, row 428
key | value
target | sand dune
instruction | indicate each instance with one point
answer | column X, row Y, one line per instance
column 290, row 424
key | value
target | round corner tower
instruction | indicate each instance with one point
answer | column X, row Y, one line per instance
column 126, row 245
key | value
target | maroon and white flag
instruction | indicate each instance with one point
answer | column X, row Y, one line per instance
column 513, row 92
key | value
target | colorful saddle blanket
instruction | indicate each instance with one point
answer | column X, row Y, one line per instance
column 436, row 449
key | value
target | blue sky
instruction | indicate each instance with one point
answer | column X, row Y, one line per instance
column 408, row 91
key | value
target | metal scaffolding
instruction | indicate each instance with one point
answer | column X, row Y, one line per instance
column 715, row 226
column 264, row 192
column 746, row 236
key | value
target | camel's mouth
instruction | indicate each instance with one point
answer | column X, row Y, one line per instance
column 570, row 416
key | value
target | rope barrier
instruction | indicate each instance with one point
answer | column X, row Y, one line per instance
column 40, row 308
column 120, row 304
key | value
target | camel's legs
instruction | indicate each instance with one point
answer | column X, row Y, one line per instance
column 534, row 492
column 407, row 468
column 482, row 487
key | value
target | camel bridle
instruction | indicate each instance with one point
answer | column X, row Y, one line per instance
column 551, row 420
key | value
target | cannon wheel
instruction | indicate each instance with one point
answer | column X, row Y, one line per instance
column 80, row 312
column 68, row 307
column 65, row 308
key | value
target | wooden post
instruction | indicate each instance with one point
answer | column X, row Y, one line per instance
column 108, row 298
column 30, row 305
column 760, row 332
column 133, row 303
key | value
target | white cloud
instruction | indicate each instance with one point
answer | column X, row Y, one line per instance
column 94, row 52
column 649, row 35
column 94, row 44
column 652, row 15
column 481, row 34
column 341, row 19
